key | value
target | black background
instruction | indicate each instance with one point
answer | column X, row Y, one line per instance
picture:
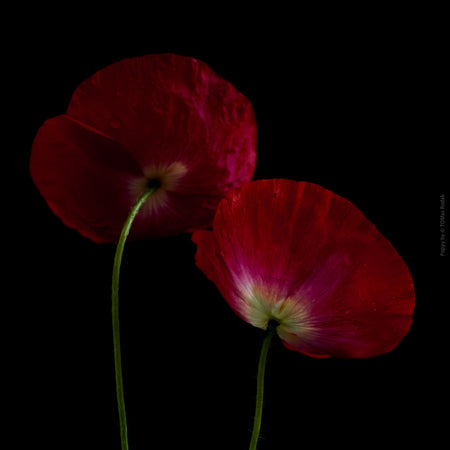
column 350, row 108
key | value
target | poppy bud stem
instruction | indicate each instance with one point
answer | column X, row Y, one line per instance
column 115, row 313
column 270, row 331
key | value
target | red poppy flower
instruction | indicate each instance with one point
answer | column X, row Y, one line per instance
column 300, row 255
column 165, row 120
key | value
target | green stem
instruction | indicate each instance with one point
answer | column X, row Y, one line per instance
column 115, row 315
column 271, row 327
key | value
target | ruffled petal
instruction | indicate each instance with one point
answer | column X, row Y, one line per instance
column 166, row 108
column 299, row 254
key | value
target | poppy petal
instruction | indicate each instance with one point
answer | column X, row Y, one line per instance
column 85, row 177
column 308, row 258
column 165, row 108
column 210, row 258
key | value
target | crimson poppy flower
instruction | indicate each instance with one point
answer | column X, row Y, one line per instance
column 307, row 259
column 160, row 135
column 162, row 120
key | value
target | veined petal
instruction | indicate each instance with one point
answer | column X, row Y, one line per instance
column 210, row 258
column 308, row 258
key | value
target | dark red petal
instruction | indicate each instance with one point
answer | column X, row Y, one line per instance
column 165, row 108
column 348, row 289
column 84, row 176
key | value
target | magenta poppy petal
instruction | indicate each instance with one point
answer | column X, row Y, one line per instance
column 308, row 258
column 85, row 177
column 178, row 122
column 209, row 257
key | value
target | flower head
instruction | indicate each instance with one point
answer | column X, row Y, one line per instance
column 300, row 255
column 161, row 120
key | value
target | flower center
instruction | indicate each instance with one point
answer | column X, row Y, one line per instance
column 163, row 179
column 264, row 306
column 154, row 183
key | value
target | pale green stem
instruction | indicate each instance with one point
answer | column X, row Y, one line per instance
column 115, row 314
column 260, row 383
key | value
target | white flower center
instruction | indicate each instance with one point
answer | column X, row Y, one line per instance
column 292, row 314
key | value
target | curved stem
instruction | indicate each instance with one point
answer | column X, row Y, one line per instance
column 115, row 314
column 271, row 327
